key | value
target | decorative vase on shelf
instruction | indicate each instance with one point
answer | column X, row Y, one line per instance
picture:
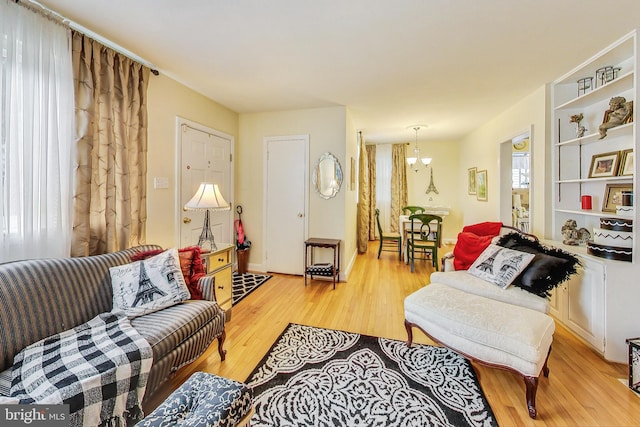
column 577, row 118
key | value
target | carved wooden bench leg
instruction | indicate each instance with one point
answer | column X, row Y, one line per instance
column 545, row 368
column 222, row 351
column 532, row 387
column 409, row 327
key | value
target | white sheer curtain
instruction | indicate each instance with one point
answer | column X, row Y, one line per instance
column 383, row 185
column 36, row 135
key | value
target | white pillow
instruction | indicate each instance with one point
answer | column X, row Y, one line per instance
column 500, row 266
column 162, row 284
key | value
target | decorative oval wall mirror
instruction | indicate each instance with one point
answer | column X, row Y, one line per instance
column 327, row 176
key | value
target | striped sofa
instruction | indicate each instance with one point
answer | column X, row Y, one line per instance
column 39, row 298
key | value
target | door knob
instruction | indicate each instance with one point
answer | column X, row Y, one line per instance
column 186, row 220
column 300, row 215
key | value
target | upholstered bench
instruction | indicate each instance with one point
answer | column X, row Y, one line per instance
column 490, row 332
column 204, row 400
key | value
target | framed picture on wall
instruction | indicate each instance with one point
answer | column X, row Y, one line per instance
column 471, row 180
column 481, row 186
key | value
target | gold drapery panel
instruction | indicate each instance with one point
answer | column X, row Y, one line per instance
column 398, row 182
column 371, row 164
column 111, row 137
column 363, row 198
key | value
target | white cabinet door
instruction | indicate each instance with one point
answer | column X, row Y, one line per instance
column 579, row 303
column 585, row 304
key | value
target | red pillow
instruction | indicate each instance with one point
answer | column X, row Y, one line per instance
column 190, row 263
column 192, row 269
column 468, row 248
column 139, row 256
column 484, row 228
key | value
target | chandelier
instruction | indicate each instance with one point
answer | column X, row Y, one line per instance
column 413, row 160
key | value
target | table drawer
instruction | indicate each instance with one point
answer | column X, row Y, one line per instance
column 222, row 287
column 218, row 260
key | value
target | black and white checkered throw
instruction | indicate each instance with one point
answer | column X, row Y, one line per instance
column 100, row 369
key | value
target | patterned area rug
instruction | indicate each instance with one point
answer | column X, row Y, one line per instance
column 244, row 284
column 322, row 377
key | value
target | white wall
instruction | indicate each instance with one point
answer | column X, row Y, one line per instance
column 481, row 149
column 350, row 243
column 446, row 165
column 166, row 100
column 327, row 130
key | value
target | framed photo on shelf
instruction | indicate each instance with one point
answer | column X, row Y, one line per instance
column 604, row 165
column 627, row 159
column 471, row 180
column 481, row 186
column 613, row 196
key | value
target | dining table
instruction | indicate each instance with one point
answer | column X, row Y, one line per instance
column 404, row 225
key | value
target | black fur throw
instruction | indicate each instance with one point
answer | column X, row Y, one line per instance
column 549, row 268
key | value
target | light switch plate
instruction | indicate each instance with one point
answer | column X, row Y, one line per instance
column 160, row 182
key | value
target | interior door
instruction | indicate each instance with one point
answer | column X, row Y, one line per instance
column 286, row 201
column 205, row 156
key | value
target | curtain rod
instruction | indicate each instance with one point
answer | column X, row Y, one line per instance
column 390, row 143
column 54, row 16
column 43, row 11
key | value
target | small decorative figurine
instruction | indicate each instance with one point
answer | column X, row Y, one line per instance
column 577, row 118
column 619, row 112
column 572, row 235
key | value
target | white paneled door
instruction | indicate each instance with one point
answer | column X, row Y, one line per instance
column 286, row 202
column 205, row 156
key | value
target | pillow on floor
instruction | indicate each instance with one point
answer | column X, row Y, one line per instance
column 499, row 265
column 549, row 268
column 143, row 287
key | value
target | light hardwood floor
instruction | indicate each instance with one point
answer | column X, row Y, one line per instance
column 582, row 389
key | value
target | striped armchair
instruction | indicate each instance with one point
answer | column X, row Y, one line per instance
column 40, row 298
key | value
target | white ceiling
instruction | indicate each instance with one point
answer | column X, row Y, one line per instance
column 452, row 64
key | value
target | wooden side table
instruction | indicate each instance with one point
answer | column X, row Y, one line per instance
column 218, row 263
column 324, row 269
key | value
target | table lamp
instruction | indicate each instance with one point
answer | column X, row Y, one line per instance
column 208, row 197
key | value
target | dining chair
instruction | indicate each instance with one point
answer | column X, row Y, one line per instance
column 410, row 210
column 388, row 240
column 423, row 238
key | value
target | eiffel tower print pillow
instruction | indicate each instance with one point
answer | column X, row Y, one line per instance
column 500, row 266
column 143, row 287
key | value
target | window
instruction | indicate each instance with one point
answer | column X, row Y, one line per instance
column 36, row 135
column 520, row 170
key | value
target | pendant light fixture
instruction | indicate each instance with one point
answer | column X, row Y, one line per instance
column 413, row 160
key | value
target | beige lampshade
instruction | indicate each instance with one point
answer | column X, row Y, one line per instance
column 208, row 197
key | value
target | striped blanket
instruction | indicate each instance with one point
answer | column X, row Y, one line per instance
column 99, row 369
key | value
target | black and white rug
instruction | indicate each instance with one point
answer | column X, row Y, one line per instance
column 323, row 377
column 244, row 284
